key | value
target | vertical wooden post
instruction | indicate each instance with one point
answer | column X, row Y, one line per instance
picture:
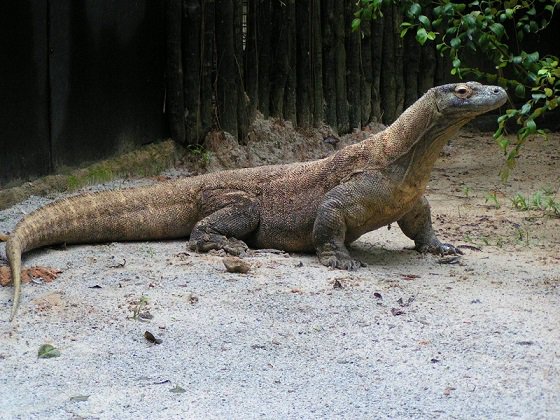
column 329, row 67
column 340, row 68
column 353, row 47
column 303, row 46
column 192, row 17
column 317, row 62
column 226, row 86
column 174, row 70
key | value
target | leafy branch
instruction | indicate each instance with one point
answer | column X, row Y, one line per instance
column 495, row 29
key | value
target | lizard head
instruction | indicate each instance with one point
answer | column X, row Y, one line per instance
column 468, row 99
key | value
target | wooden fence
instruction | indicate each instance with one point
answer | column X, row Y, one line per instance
column 297, row 60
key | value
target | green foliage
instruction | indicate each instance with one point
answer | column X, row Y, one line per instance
column 491, row 197
column 47, row 351
column 541, row 200
column 490, row 28
column 199, row 152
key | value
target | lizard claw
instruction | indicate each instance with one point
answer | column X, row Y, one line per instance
column 206, row 243
column 438, row 248
column 340, row 261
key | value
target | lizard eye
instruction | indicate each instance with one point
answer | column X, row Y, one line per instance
column 462, row 91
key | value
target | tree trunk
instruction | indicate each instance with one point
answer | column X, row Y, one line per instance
column 192, row 15
column 207, row 75
column 290, row 92
column 377, row 29
column 242, row 99
column 412, row 53
column 264, row 54
column 174, row 91
column 399, row 62
column 353, row 68
column 304, row 76
column 388, row 79
column 340, row 68
column 317, row 63
column 426, row 78
column 329, row 62
column 280, row 57
column 366, row 72
column 227, row 70
column 251, row 59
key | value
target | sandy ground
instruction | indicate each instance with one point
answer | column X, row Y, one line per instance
column 405, row 337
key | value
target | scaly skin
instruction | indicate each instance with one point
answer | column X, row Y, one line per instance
column 313, row 206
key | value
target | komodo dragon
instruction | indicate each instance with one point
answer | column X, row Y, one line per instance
column 312, row 206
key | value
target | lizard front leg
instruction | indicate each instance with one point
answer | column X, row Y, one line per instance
column 226, row 227
column 329, row 233
column 417, row 225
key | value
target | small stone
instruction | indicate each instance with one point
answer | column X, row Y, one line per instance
column 236, row 265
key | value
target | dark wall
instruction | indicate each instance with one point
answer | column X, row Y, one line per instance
column 24, row 102
column 84, row 79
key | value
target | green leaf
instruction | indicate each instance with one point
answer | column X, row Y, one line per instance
column 498, row 29
column 469, row 20
column 456, row 63
column 526, row 108
column 356, row 24
column 414, row 9
column 531, row 58
column 455, row 42
column 424, row 21
column 421, row 36
column 431, row 35
column 503, row 143
column 520, row 90
column 46, row 351
column 548, row 92
column 531, row 126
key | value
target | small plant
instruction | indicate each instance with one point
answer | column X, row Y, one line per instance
column 541, row 200
column 141, row 304
column 467, row 191
column 537, row 200
column 467, row 238
column 493, row 199
column 522, row 235
column 519, row 202
column 553, row 205
column 199, row 152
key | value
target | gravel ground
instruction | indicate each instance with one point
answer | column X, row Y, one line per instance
column 406, row 337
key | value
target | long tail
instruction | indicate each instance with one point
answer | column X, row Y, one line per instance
column 13, row 252
column 163, row 211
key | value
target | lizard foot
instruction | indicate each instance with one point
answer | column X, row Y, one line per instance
column 438, row 248
column 208, row 242
column 340, row 260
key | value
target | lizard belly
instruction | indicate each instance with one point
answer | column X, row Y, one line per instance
column 291, row 238
column 374, row 215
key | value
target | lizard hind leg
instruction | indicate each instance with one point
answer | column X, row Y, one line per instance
column 225, row 228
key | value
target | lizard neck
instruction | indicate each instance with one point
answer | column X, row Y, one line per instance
column 413, row 143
